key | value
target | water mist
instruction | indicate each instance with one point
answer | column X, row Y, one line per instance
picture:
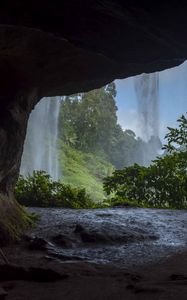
column 147, row 93
column 40, row 148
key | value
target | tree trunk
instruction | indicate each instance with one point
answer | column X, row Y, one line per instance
column 14, row 114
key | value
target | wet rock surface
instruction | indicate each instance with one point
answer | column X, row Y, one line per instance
column 3, row 293
column 63, row 241
column 37, row 244
column 13, row 272
column 121, row 236
column 35, row 275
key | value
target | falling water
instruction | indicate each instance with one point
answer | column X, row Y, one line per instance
column 40, row 148
column 147, row 92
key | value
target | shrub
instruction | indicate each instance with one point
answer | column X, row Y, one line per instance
column 39, row 190
column 163, row 183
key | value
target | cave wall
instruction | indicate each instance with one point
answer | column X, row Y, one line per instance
column 13, row 125
column 50, row 48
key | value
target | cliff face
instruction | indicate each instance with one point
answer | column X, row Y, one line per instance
column 62, row 47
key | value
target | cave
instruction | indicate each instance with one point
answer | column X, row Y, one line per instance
column 53, row 48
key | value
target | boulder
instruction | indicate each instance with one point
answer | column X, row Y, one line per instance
column 37, row 243
column 62, row 241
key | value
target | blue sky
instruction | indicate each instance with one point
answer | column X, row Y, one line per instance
column 172, row 99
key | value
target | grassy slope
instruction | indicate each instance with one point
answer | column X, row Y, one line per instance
column 84, row 170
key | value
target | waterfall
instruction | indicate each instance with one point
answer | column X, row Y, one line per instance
column 147, row 94
column 40, row 148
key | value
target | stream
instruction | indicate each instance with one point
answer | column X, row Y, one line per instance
column 121, row 236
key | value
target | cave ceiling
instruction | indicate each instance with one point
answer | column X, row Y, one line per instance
column 63, row 47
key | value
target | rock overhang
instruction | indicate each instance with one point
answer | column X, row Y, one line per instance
column 63, row 47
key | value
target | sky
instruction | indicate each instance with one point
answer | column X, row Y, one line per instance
column 172, row 100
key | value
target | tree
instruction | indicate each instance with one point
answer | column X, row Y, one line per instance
column 91, row 118
column 177, row 137
column 88, row 122
column 164, row 182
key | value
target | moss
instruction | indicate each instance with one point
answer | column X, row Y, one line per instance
column 14, row 221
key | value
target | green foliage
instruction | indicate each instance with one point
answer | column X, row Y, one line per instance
column 40, row 190
column 121, row 201
column 163, row 183
column 13, row 224
column 87, row 121
column 177, row 137
column 132, row 177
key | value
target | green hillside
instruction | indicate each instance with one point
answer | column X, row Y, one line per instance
column 84, row 170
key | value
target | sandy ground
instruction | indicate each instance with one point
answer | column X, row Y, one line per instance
column 166, row 280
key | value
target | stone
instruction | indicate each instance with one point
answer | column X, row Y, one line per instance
column 63, row 257
column 62, row 241
column 79, row 228
column 88, row 237
column 178, row 277
column 3, row 293
column 14, row 272
column 26, row 238
column 38, row 244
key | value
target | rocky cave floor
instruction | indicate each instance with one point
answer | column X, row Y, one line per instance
column 35, row 270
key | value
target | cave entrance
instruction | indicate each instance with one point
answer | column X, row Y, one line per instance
column 111, row 134
column 138, row 108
